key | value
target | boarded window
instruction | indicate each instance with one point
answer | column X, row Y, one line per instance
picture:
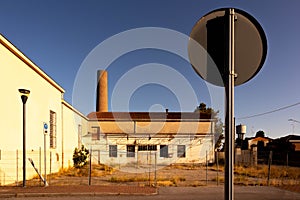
column 79, row 135
column 52, row 129
column 113, row 151
column 164, row 151
column 130, row 151
column 181, row 151
column 96, row 133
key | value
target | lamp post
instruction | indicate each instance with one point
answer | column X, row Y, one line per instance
column 293, row 120
column 24, row 96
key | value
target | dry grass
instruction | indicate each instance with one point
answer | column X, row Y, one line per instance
column 161, row 181
column 176, row 175
column 261, row 171
column 97, row 170
column 279, row 175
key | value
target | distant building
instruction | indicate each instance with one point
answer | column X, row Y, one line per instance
column 286, row 150
column 128, row 138
column 124, row 138
column 251, row 150
column 256, row 150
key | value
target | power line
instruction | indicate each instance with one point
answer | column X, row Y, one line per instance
column 269, row 112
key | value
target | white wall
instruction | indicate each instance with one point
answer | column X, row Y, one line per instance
column 17, row 71
column 72, row 122
column 196, row 136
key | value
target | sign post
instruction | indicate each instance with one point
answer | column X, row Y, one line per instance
column 229, row 119
column 236, row 49
column 45, row 153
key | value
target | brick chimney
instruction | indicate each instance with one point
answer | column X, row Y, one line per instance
column 102, row 92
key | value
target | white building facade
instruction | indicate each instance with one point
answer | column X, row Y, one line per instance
column 136, row 139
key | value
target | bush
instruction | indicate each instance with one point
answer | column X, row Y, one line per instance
column 80, row 157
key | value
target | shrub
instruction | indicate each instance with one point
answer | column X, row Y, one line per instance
column 80, row 157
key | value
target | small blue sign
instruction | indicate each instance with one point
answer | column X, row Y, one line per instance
column 45, row 126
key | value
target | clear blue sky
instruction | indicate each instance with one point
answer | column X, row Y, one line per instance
column 59, row 35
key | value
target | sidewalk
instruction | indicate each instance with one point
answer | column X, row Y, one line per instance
column 72, row 190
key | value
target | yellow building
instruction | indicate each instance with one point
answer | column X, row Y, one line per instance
column 44, row 105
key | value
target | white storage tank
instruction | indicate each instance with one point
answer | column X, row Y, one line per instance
column 241, row 131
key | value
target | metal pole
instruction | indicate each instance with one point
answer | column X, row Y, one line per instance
column 206, row 168
column 17, row 167
column 40, row 164
column 155, row 175
column 24, row 144
column 269, row 167
column 229, row 129
column 217, row 155
column 45, row 161
column 50, row 166
column 90, row 167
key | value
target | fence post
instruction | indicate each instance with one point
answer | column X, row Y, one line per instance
column 206, row 175
column 40, row 165
column 149, row 164
column 90, row 166
column 17, row 155
column 269, row 167
column 50, row 167
column 287, row 159
column 217, row 155
column 155, row 163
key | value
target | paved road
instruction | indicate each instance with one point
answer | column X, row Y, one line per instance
column 190, row 193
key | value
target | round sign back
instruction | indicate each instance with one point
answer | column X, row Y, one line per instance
column 211, row 33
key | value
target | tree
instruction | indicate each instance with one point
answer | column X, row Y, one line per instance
column 219, row 146
column 219, row 136
column 260, row 134
column 80, row 157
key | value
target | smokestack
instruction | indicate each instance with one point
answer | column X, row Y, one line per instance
column 102, row 97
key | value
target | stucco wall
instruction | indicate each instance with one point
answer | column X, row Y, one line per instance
column 17, row 71
column 74, row 126
column 196, row 136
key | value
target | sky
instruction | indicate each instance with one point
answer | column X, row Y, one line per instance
column 142, row 46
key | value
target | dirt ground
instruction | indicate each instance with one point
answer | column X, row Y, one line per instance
column 164, row 176
column 175, row 176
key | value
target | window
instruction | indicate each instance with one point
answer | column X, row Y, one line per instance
column 147, row 147
column 130, row 151
column 181, row 151
column 113, row 151
column 96, row 133
column 164, row 151
column 52, row 129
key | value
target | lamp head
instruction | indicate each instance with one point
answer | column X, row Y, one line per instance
column 24, row 94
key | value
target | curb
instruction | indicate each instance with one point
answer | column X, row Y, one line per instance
column 22, row 195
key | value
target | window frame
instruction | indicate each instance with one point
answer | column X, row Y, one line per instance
column 96, row 135
column 181, row 151
column 147, row 147
column 52, row 131
column 130, row 151
column 113, row 151
column 164, row 151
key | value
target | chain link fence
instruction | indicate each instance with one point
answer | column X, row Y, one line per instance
column 38, row 163
column 144, row 168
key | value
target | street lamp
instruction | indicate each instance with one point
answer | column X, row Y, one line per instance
column 293, row 120
column 24, row 96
